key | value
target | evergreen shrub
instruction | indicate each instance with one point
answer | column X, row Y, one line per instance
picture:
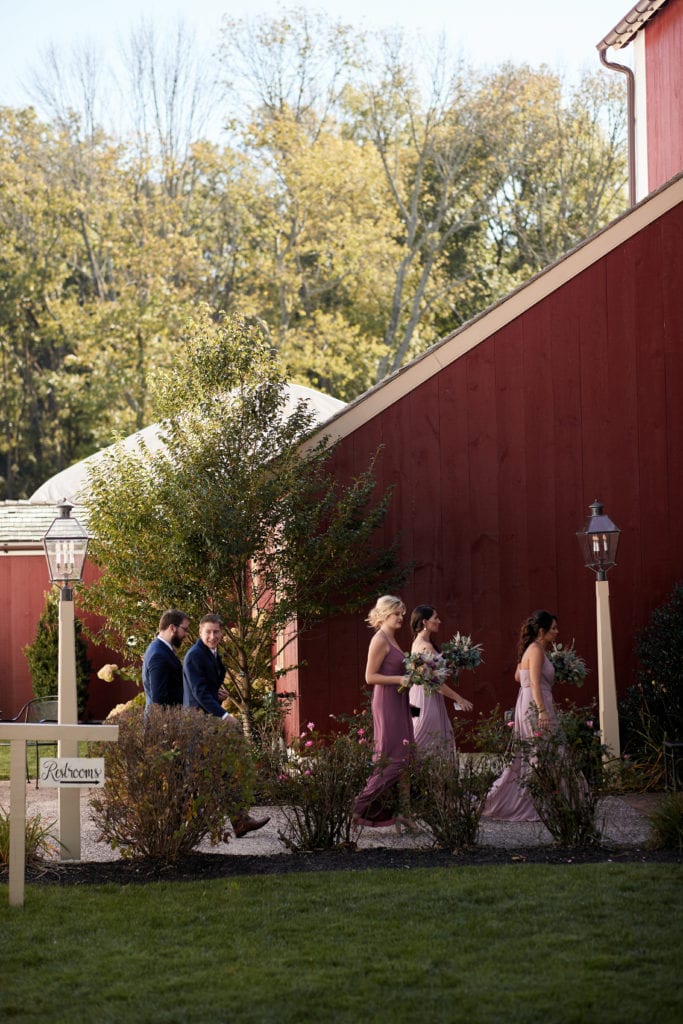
column 43, row 654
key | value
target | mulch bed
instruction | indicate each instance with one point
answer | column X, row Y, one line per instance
column 200, row 866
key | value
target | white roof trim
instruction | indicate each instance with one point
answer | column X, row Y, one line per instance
column 470, row 335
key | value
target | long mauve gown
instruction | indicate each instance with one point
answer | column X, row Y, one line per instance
column 508, row 799
column 392, row 727
column 432, row 727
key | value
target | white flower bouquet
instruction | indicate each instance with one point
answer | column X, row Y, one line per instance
column 569, row 667
column 426, row 669
column 459, row 652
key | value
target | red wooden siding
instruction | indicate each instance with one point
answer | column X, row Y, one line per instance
column 23, row 582
column 496, row 459
column 664, row 90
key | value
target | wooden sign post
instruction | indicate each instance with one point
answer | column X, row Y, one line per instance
column 18, row 733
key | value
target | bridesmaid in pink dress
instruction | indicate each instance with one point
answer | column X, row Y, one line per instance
column 392, row 724
column 508, row 799
column 432, row 727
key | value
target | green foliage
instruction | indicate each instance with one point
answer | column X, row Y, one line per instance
column 318, row 786
column 491, row 733
column 447, row 795
column 554, row 775
column 239, row 515
column 40, row 839
column 666, row 823
column 652, row 710
column 268, row 747
column 43, row 654
column 373, row 197
column 171, row 780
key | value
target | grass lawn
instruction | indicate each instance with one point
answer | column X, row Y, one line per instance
column 513, row 944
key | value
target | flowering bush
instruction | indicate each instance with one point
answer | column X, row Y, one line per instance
column 172, row 779
column 563, row 775
column 318, row 787
column 426, row 669
column 569, row 667
column 459, row 652
column 447, row 795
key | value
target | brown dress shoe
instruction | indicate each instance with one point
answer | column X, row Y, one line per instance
column 244, row 826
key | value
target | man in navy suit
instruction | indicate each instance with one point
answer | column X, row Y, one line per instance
column 162, row 670
column 203, row 675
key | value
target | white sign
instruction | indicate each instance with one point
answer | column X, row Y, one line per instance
column 70, row 772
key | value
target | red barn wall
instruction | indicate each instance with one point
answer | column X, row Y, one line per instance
column 23, row 582
column 495, row 459
column 664, row 91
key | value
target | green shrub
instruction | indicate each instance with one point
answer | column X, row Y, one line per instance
column 43, row 654
column 172, row 779
column 318, row 786
column 581, row 733
column 490, row 734
column 652, row 710
column 666, row 823
column 565, row 801
column 447, row 795
column 40, row 839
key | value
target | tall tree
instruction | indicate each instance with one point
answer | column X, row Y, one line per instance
column 234, row 516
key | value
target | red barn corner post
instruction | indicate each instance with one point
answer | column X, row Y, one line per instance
column 599, row 541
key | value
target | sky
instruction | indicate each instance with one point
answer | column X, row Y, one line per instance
column 561, row 33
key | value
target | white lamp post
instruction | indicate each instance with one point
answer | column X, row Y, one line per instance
column 599, row 541
column 66, row 545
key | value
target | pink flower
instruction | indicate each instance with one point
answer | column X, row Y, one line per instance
column 361, row 732
column 510, row 725
column 307, row 772
column 308, row 743
column 590, row 724
column 361, row 742
column 282, row 778
column 311, row 725
column 406, row 743
column 302, row 735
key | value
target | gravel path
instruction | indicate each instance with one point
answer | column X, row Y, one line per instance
column 625, row 825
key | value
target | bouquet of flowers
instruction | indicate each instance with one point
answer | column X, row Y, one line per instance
column 426, row 669
column 459, row 652
column 569, row 667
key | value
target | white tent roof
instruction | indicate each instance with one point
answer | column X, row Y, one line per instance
column 69, row 482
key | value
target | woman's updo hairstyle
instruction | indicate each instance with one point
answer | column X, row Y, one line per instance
column 537, row 621
column 384, row 607
column 419, row 616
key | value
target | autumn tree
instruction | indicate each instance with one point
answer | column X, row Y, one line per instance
column 239, row 514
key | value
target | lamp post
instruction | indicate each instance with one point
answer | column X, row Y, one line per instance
column 66, row 545
column 599, row 541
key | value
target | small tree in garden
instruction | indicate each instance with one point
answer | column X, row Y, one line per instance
column 42, row 654
column 239, row 514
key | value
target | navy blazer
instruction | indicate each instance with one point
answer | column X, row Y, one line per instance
column 203, row 674
column 162, row 674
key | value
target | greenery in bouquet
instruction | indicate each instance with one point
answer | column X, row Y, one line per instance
column 426, row 669
column 569, row 667
column 459, row 652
